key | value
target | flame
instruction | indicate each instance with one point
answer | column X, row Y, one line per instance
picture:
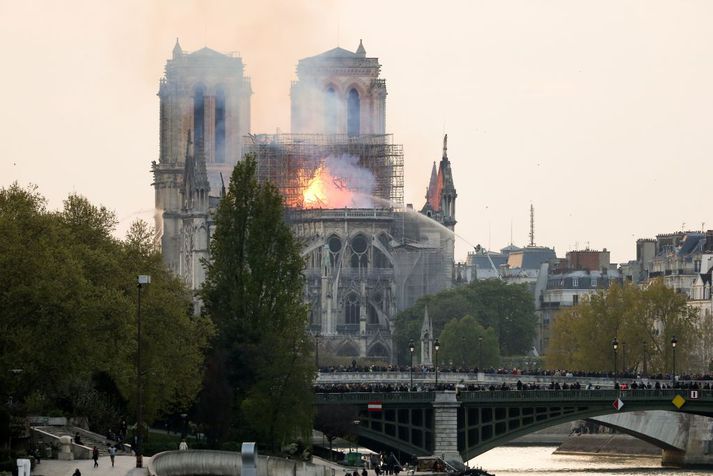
column 326, row 191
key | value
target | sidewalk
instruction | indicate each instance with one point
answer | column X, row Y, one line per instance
column 124, row 464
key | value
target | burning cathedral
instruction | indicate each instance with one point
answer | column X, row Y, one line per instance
column 368, row 255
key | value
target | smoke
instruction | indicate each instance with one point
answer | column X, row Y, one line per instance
column 351, row 184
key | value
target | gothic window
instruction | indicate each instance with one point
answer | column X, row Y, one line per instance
column 353, row 113
column 220, row 126
column 359, row 257
column 380, row 259
column 378, row 350
column 373, row 317
column 198, row 113
column 330, row 110
column 335, row 246
column 351, row 309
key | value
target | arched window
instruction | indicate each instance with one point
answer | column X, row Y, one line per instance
column 330, row 111
column 378, row 350
column 198, row 113
column 373, row 317
column 220, row 126
column 353, row 113
column 351, row 309
column 359, row 257
column 335, row 246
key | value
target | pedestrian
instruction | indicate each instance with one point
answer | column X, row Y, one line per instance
column 77, row 439
column 183, row 446
column 112, row 454
column 95, row 456
column 364, row 472
column 77, row 472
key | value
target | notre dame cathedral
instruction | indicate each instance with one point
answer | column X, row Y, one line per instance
column 368, row 255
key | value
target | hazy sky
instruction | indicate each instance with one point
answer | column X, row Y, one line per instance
column 599, row 113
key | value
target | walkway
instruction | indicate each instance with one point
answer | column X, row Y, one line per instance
column 125, row 465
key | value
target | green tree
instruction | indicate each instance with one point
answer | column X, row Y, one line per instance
column 68, row 310
column 253, row 292
column 466, row 343
column 508, row 309
column 642, row 319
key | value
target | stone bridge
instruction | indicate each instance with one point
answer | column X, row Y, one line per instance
column 464, row 425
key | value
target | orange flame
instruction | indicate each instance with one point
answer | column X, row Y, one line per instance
column 325, row 191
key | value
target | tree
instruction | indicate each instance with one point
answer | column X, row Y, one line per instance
column 336, row 422
column 68, row 311
column 253, row 293
column 466, row 343
column 643, row 319
column 508, row 309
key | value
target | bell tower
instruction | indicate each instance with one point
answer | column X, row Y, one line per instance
column 339, row 92
column 205, row 92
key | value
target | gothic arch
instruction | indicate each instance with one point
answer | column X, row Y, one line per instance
column 348, row 349
column 352, row 308
column 219, row 126
column 378, row 350
column 198, row 112
column 359, row 245
column 353, row 112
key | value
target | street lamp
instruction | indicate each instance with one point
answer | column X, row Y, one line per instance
column 480, row 353
column 674, row 341
column 316, row 350
column 436, row 346
column 615, row 345
column 10, row 404
column 141, row 280
column 411, row 349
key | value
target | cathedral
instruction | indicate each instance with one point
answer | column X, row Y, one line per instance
column 368, row 255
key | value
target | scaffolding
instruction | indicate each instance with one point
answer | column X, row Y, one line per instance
column 289, row 161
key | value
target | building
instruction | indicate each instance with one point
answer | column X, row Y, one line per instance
column 204, row 113
column 368, row 256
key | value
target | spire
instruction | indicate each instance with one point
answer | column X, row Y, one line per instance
column 177, row 51
column 361, row 51
column 188, row 174
column 432, row 182
column 445, row 146
column 426, row 338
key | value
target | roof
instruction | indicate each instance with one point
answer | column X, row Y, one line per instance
column 334, row 53
column 205, row 51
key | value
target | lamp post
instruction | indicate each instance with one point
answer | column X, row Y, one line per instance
column 141, row 280
column 480, row 353
column 10, row 404
column 316, row 350
column 623, row 356
column 674, row 341
column 643, row 347
column 436, row 346
column 615, row 345
column 411, row 349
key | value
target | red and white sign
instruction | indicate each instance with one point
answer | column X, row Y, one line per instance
column 374, row 406
column 694, row 395
column 618, row 404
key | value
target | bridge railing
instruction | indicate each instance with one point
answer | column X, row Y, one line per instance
column 513, row 396
column 366, row 397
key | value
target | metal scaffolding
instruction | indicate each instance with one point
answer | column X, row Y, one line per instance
column 289, row 161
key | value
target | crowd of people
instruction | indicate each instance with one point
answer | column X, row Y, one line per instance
column 519, row 386
column 535, row 372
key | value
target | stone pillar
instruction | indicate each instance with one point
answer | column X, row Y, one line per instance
column 65, row 450
column 445, row 428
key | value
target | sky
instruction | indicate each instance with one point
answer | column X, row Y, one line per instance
column 597, row 113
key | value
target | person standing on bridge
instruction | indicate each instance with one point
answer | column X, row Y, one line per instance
column 95, row 456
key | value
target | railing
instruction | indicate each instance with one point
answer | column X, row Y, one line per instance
column 517, row 396
column 415, row 397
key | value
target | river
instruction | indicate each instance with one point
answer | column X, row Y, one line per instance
column 540, row 461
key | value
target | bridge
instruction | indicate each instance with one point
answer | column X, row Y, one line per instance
column 460, row 426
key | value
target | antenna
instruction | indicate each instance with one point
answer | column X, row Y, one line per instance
column 532, row 225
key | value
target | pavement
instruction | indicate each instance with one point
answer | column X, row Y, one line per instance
column 124, row 465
